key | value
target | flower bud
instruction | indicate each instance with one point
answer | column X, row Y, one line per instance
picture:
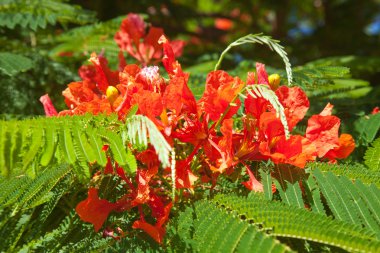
column 112, row 93
column 274, row 81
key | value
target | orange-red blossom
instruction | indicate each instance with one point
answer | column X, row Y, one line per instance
column 206, row 126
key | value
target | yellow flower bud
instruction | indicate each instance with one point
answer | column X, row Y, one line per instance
column 112, row 93
column 274, row 81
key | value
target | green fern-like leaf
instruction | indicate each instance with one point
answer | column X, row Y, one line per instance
column 313, row 195
column 121, row 154
column 367, row 128
column 372, row 156
column 30, row 145
column 266, row 179
column 340, row 89
column 292, row 195
column 292, row 222
column 37, row 14
column 208, row 228
column 349, row 201
column 260, row 39
column 11, row 64
column 353, row 172
column 139, row 128
column 306, row 76
column 51, row 138
column 97, row 144
column 33, row 149
column 90, row 38
column 32, row 192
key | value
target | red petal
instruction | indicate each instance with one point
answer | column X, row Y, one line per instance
column 77, row 93
column 150, row 103
column 104, row 76
column 178, row 97
column 327, row 111
column 152, row 38
column 262, row 76
column 295, row 103
column 270, row 125
column 48, row 106
column 165, row 216
column 253, row 184
column 323, row 132
column 95, row 107
column 171, row 65
column 94, row 210
column 375, row 110
column 177, row 46
column 346, row 146
column 134, row 26
column 184, row 176
column 223, row 24
column 109, row 168
column 157, row 233
column 122, row 62
column 221, row 89
column 143, row 177
column 296, row 150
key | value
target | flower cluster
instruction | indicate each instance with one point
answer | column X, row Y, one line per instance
column 204, row 130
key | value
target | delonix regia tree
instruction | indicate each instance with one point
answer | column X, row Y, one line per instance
column 137, row 163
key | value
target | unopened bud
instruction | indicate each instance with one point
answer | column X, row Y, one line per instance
column 112, row 93
column 274, row 81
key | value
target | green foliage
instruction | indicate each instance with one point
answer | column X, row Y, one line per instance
column 372, row 156
column 316, row 76
column 12, row 64
column 292, row 222
column 40, row 13
column 138, row 128
column 30, row 143
column 208, row 228
column 348, row 202
column 261, row 39
column 353, row 172
column 367, row 128
column 24, row 192
column 90, row 38
column 20, row 93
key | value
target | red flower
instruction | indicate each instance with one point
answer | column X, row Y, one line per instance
column 104, row 77
column 143, row 178
column 79, row 92
column 221, row 89
column 257, row 106
column 171, row 65
column 192, row 130
column 178, row 97
column 345, row 148
column 219, row 150
column 223, row 24
column 295, row 103
column 322, row 130
column 144, row 47
column 95, row 210
column 296, row 150
column 157, row 232
column 184, row 176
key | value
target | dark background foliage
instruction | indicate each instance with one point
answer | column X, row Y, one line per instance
column 309, row 30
